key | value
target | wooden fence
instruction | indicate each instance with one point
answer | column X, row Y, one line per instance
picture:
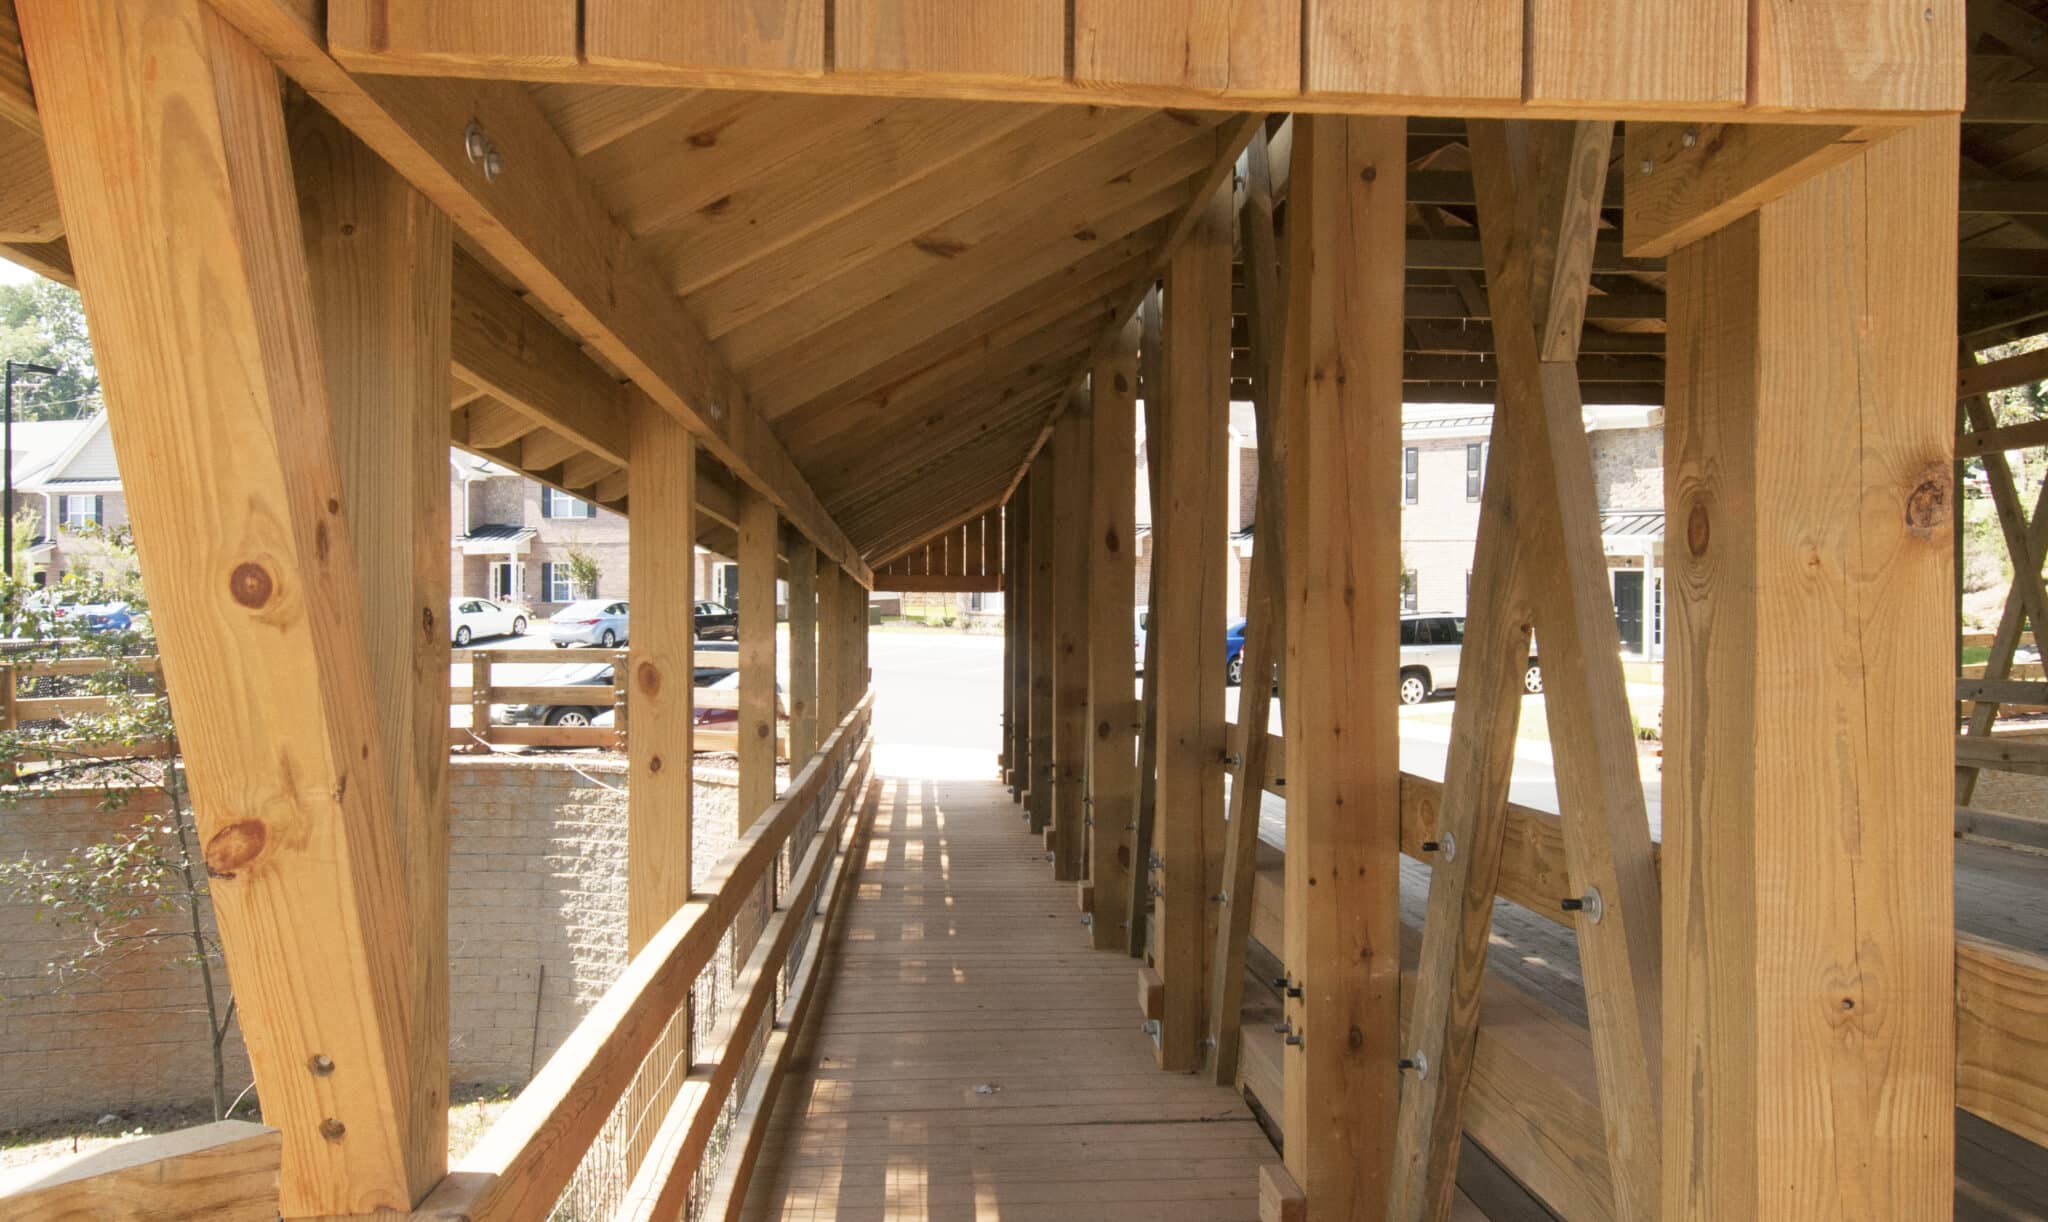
column 803, row 852
column 19, row 703
column 482, row 692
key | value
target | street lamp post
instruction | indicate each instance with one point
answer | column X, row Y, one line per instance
column 7, row 561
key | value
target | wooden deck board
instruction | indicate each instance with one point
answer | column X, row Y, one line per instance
column 975, row 1059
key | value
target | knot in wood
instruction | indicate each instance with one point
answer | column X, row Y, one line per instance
column 250, row 584
column 1927, row 506
column 1697, row 530
column 235, row 846
column 647, row 676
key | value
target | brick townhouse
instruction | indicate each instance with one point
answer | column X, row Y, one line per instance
column 66, row 480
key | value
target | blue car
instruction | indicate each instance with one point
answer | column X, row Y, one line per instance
column 1233, row 657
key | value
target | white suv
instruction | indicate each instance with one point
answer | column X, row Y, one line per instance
column 1430, row 644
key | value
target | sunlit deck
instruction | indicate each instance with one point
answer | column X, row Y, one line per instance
column 973, row 1058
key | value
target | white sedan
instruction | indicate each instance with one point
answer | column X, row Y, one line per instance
column 470, row 618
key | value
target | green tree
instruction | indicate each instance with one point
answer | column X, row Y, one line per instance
column 44, row 322
column 142, row 890
column 583, row 572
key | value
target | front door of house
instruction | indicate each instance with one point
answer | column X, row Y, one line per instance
column 1628, row 608
column 504, row 581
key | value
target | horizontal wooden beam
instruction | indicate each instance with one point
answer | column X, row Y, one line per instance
column 227, row 1170
column 499, row 344
column 909, row 584
column 1687, row 180
column 541, row 220
column 2020, row 370
column 1995, row 441
column 1264, row 58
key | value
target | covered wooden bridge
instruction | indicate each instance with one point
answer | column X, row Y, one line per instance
column 868, row 294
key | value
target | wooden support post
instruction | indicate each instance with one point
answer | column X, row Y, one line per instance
column 662, row 659
column 833, row 703
column 1012, row 647
column 803, row 651
column 170, row 155
column 1265, row 611
column 1809, row 1066
column 759, row 533
column 1152, row 384
column 378, row 257
column 1191, row 525
column 1343, row 422
column 1044, row 483
column 1071, row 721
column 480, row 699
column 1539, row 190
column 1112, row 693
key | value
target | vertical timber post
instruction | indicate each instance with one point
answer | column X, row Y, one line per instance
column 1346, row 238
column 1112, row 694
column 1070, row 537
column 759, row 533
column 832, row 701
column 377, row 254
column 661, row 659
column 1017, row 617
column 169, row 150
column 1191, row 449
column 803, row 650
column 1809, row 1043
column 1044, row 485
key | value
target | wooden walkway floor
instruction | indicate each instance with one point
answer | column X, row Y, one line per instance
column 973, row 1059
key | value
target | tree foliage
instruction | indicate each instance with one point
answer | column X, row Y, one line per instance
column 44, row 322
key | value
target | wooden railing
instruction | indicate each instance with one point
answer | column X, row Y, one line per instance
column 225, row 1171
column 1531, row 1076
column 16, row 709
column 521, row 1166
column 482, row 692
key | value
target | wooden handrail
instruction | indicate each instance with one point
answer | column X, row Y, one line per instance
column 522, row 1164
column 224, row 1170
column 658, row 1191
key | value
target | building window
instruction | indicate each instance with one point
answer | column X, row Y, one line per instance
column 1475, row 470
column 81, row 511
column 1410, row 472
column 557, row 504
column 1408, row 584
column 560, row 587
column 1657, row 612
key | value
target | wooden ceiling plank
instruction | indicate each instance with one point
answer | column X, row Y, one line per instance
column 905, row 149
column 589, row 117
column 843, row 354
column 846, row 477
column 585, row 470
column 1003, row 324
column 542, row 222
column 28, row 195
column 762, row 281
column 980, row 257
column 693, row 161
column 544, row 449
column 939, row 389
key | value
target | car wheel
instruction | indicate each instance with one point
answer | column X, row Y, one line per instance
column 462, row 636
column 1532, row 680
column 1414, row 688
column 573, row 719
column 611, row 639
column 1234, row 673
column 561, row 644
column 519, row 626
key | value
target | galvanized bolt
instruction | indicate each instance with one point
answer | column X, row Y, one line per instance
column 1431, row 846
column 1419, row 1063
column 1285, row 1026
column 473, row 142
column 332, row 1129
column 494, row 165
column 1589, row 903
column 1297, row 1039
column 321, row 1064
column 1221, row 897
column 1690, row 138
column 1649, row 166
column 1232, row 759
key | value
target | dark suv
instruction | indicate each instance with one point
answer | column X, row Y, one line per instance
column 717, row 622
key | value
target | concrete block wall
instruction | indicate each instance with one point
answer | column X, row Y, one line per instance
column 536, row 922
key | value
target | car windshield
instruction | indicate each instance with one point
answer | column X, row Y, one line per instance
column 583, row 610
column 564, row 676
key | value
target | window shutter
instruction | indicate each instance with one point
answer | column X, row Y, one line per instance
column 99, row 511
column 547, row 574
column 547, row 506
